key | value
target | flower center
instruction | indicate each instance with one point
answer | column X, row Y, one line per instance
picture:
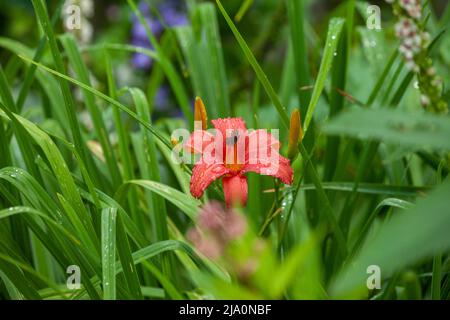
column 231, row 156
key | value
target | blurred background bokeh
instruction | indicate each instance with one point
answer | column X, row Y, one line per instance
column 264, row 27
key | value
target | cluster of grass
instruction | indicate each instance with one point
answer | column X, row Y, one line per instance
column 370, row 187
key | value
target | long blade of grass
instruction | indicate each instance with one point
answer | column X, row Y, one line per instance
column 330, row 214
column 61, row 172
column 200, row 65
column 109, row 253
column 338, row 85
column 126, row 260
column 20, row 210
column 30, row 73
column 82, row 72
column 208, row 17
column 165, row 246
column 184, row 202
column 104, row 97
column 42, row 15
column 245, row 6
column 169, row 70
column 18, row 279
column 372, row 188
column 152, row 173
column 8, row 106
column 334, row 32
column 297, row 16
column 257, row 68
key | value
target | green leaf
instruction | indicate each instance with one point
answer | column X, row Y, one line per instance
column 219, row 80
column 152, row 292
column 246, row 4
column 104, row 97
column 185, row 203
column 371, row 188
column 385, row 204
column 166, row 65
column 109, row 253
column 26, row 149
column 297, row 16
column 412, row 234
column 205, row 59
column 165, row 246
column 394, row 126
column 61, row 171
column 42, row 15
column 126, row 259
column 329, row 211
column 181, row 175
column 20, row 210
column 334, row 32
column 200, row 67
column 256, row 67
column 151, row 172
column 82, row 72
column 15, row 276
column 13, row 292
column 15, row 46
column 31, row 70
column 300, row 267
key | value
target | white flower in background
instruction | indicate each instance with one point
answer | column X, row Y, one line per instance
column 424, row 100
column 75, row 17
column 411, row 41
column 87, row 7
column 86, row 32
column 412, row 7
column 414, row 43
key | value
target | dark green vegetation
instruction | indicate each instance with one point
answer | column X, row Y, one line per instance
column 371, row 178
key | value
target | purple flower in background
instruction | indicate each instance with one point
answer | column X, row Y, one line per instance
column 162, row 105
column 161, row 97
column 172, row 13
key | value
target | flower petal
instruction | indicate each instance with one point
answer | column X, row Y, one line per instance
column 198, row 141
column 222, row 125
column 260, row 141
column 204, row 174
column 235, row 190
column 281, row 168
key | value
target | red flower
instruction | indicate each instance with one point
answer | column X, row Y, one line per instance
column 231, row 152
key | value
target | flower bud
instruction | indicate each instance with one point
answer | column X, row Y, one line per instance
column 295, row 134
column 200, row 113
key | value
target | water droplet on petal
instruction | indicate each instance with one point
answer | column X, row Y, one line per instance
column 217, row 169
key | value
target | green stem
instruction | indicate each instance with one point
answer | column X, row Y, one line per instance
column 339, row 235
column 437, row 277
